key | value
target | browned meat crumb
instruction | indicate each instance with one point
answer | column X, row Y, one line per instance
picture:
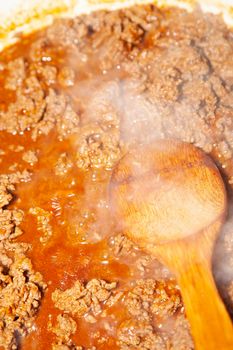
column 15, row 148
column 162, row 75
column 81, row 298
column 21, row 290
column 16, row 74
column 147, row 301
column 5, row 196
column 43, row 222
column 97, row 148
column 72, row 347
column 9, row 180
column 114, row 298
column 30, row 157
column 13, row 167
column 83, row 348
column 10, row 219
column 31, row 98
column 9, row 223
column 123, row 248
column 151, row 297
column 139, row 335
column 153, row 303
column 144, row 262
column 47, row 73
column 175, row 80
column 66, row 76
column 39, row 111
column 90, row 318
column 60, row 347
column 64, row 33
column 180, row 338
column 16, row 246
column 64, row 328
column 121, row 244
column 166, row 301
column 63, row 164
column 58, row 112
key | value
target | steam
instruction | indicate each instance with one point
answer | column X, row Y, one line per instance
column 124, row 105
column 174, row 96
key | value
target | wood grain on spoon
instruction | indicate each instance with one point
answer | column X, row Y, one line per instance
column 172, row 202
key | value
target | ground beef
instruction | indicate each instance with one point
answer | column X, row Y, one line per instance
column 26, row 110
column 65, row 347
column 9, row 223
column 181, row 339
column 158, row 89
column 145, row 265
column 21, row 290
column 81, row 298
column 88, row 89
column 63, row 329
column 153, row 297
column 121, row 244
column 72, row 347
column 30, row 157
column 153, row 303
column 58, row 112
column 16, row 74
column 97, row 148
column 63, row 164
column 5, row 196
column 39, row 109
column 9, row 180
column 165, row 66
column 66, row 77
column 43, row 223
column 47, row 73
column 60, row 347
column 10, row 220
column 139, row 335
column 15, row 148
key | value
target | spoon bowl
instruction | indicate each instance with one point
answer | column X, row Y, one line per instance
column 171, row 201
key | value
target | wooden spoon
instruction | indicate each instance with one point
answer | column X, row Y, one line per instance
column 172, row 202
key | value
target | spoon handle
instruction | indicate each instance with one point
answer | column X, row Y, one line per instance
column 211, row 325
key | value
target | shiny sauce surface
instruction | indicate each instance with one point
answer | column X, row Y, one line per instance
column 127, row 77
column 80, row 218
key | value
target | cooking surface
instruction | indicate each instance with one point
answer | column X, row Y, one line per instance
column 73, row 99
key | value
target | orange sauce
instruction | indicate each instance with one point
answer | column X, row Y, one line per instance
column 66, row 256
column 80, row 219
